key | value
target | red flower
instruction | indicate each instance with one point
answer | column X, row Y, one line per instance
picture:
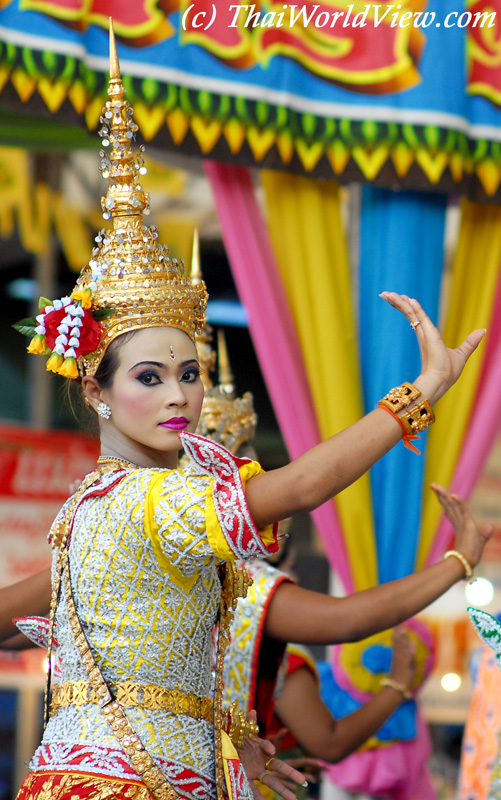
column 90, row 332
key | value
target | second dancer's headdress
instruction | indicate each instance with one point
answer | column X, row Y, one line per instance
column 225, row 418
column 131, row 281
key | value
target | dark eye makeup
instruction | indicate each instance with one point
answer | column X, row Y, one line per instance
column 148, row 377
column 191, row 374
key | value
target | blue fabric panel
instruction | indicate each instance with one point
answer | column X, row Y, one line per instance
column 401, row 250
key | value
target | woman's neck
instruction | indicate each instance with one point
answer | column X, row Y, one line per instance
column 137, row 454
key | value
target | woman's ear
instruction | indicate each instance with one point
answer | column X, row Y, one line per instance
column 91, row 390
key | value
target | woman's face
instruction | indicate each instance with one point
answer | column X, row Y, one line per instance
column 156, row 390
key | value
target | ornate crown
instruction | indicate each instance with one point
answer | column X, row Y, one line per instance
column 226, row 419
column 130, row 282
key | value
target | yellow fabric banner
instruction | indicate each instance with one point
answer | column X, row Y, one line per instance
column 305, row 223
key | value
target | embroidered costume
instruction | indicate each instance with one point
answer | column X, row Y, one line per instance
column 144, row 549
column 253, row 660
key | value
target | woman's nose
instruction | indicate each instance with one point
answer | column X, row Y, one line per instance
column 175, row 395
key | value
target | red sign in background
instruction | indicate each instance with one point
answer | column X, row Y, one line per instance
column 36, row 470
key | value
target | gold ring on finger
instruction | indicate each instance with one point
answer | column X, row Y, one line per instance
column 415, row 324
column 261, row 775
column 268, row 762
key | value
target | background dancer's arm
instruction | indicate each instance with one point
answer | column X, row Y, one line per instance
column 298, row 615
column 30, row 597
column 305, row 715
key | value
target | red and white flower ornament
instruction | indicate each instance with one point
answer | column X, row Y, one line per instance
column 65, row 330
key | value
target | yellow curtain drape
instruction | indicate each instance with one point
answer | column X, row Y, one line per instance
column 23, row 202
column 73, row 232
column 305, row 225
column 475, row 274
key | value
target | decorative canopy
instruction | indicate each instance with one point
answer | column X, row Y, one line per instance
column 403, row 94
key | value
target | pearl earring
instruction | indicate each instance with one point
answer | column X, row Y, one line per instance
column 104, row 410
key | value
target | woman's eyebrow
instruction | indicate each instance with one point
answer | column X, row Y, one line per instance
column 161, row 365
column 149, row 363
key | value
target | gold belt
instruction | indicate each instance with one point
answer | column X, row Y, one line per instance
column 129, row 693
column 155, row 698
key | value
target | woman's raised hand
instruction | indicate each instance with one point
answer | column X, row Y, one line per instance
column 440, row 366
column 470, row 536
column 403, row 661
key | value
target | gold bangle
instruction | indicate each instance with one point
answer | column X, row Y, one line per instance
column 418, row 418
column 468, row 569
column 399, row 687
column 400, row 397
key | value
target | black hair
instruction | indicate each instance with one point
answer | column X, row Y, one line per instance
column 104, row 376
column 109, row 363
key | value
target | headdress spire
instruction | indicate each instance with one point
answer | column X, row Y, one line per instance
column 226, row 419
column 115, row 77
column 131, row 282
column 226, row 380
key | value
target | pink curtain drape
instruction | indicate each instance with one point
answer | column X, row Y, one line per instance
column 272, row 330
column 482, row 429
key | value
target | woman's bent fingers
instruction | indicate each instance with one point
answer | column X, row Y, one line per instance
column 285, row 770
column 454, row 507
column 276, row 783
column 282, row 778
column 470, row 536
column 434, row 354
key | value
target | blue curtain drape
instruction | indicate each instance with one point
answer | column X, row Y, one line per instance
column 402, row 250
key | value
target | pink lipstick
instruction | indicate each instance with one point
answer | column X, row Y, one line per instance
column 175, row 423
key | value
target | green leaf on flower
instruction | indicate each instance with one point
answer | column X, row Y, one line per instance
column 43, row 302
column 101, row 313
column 26, row 326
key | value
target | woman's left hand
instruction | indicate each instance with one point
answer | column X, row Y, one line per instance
column 257, row 757
column 470, row 537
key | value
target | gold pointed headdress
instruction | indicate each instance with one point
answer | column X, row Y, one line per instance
column 225, row 418
column 131, row 282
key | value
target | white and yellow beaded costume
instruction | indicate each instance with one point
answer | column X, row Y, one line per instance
column 144, row 550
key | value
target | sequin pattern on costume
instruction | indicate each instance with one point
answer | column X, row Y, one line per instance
column 160, row 630
column 233, row 515
column 246, row 631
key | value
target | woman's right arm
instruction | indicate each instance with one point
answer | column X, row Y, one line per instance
column 298, row 615
column 30, row 597
column 334, row 464
column 303, row 712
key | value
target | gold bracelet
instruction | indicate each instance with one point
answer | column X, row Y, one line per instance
column 400, row 397
column 399, row 687
column 418, row 418
column 414, row 420
column 468, row 569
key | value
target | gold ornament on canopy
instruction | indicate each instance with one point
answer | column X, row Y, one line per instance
column 131, row 282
